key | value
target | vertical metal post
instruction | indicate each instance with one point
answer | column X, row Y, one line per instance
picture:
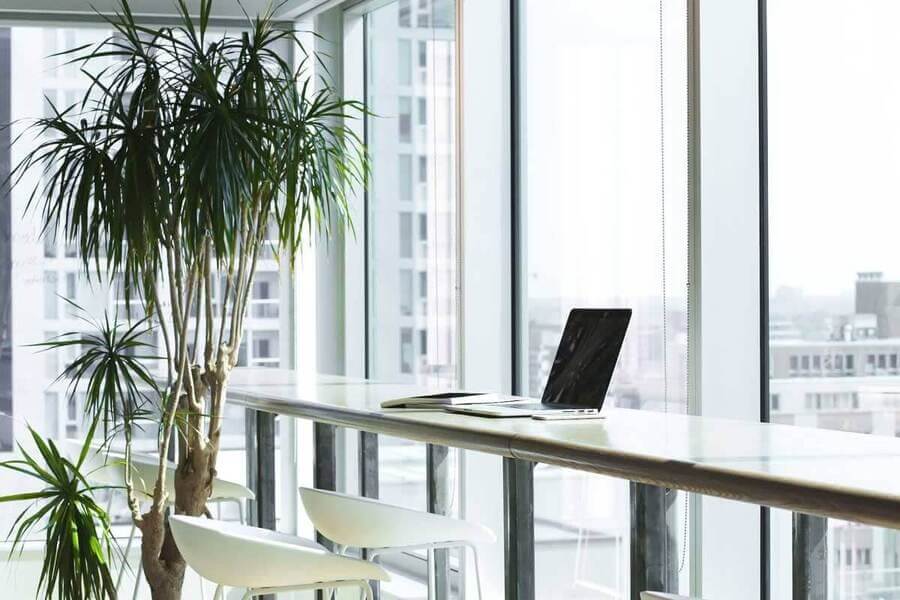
column 368, row 464
column 518, row 536
column 368, row 479
column 810, row 552
column 440, row 489
column 259, row 431
column 654, row 549
column 265, row 470
column 252, row 462
column 324, row 470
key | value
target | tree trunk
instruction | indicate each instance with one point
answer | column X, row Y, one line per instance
column 164, row 567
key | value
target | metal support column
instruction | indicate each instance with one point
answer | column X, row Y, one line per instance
column 324, row 470
column 439, row 493
column 368, row 479
column 252, row 461
column 265, row 469
column 325, row 467
column 368, row 464
column 260, row 439
column 518, row 536
column 654, row 548
column 810, row 552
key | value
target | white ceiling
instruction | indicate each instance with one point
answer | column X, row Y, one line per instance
column 222, row 9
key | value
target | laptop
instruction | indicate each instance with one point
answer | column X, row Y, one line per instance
column 579, row 378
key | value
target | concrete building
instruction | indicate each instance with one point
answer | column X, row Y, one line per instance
column 849, row 382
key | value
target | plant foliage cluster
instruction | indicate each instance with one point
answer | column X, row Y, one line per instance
column 189, row 154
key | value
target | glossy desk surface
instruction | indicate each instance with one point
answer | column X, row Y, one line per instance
column 835, row 474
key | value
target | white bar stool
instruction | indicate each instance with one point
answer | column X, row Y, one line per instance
column 107, row 468
column 265, row 562
column 351, row 521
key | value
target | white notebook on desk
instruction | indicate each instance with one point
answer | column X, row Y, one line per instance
column 444, row 399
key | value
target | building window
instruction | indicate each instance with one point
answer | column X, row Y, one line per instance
column 423, row 168
column 405, row 177
column 422, row 54
column 406, row 235
column 423, row 285
column 774, row 401
column 49, row 245
column 403, row 13
column 422, row 109
column 404, row 118
column 406, row 292
column 71, row 294
column 51, row 299
column 404, row 62
column 406, row 350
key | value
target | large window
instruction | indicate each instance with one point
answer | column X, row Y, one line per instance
column 604, row 204
column 834, row 271
column 411, row 208
column 411, row 200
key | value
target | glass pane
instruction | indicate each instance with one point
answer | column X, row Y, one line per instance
column 411, row 203
column 834, row 272
column 412, row 230
column 604, row 183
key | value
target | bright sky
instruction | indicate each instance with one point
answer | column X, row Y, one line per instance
column 592, row 173
column 592, row 129
column 834, row 142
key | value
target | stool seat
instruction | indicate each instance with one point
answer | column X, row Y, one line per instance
column 107, row 467
column 366, row 523
column 248, row 557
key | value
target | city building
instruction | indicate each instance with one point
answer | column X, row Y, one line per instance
column 848, row 382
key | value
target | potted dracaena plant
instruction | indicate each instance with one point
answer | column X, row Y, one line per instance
column 187, row 155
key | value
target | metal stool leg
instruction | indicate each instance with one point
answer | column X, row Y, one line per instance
column 432, row 584
column 137, row 580
column 125, row 556
column 367, row 591
column 477, row 570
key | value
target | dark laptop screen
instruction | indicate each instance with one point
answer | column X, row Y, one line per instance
column 586, row 356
